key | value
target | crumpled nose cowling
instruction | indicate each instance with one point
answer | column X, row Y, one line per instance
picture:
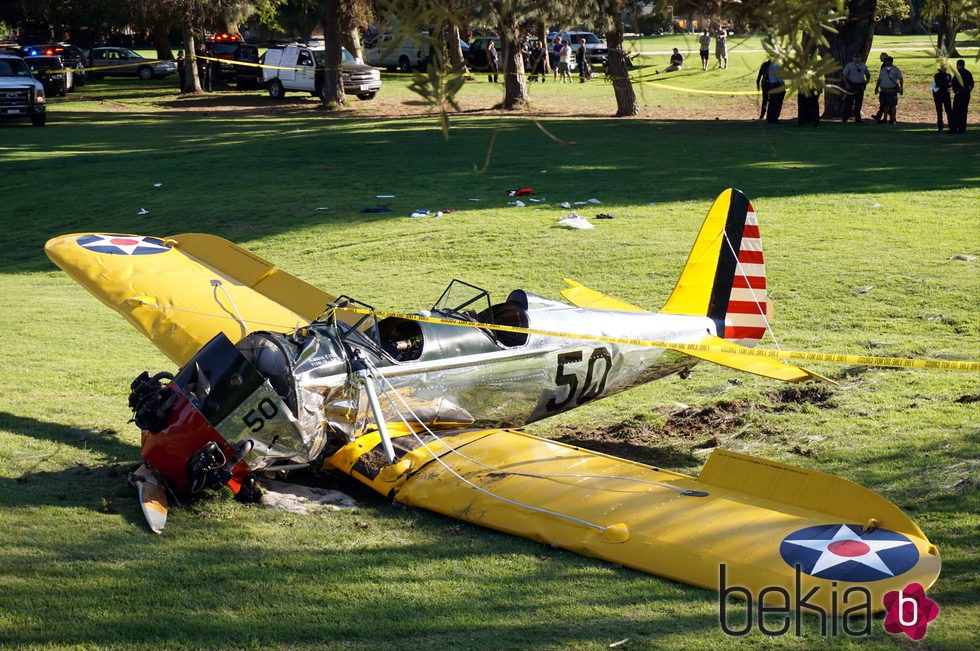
column 200, row 426
column 189, row 453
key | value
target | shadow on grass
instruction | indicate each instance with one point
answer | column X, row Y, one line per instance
column 233, row 172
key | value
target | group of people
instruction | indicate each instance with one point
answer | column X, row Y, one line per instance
column 204, row 67
column 961, row 85
column 560, row 58
column 704, row 41
column 855, row 78
column 721, row 47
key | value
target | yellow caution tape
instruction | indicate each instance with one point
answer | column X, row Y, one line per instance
column 868, row 360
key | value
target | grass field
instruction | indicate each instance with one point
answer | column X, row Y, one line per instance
column 871, row 237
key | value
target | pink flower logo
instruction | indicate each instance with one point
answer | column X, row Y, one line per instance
column 909, row 611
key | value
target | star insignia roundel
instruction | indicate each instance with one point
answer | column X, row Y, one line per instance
column 845, row 552
column 123, row 244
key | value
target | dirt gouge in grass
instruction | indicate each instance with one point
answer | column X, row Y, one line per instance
column 278, row 375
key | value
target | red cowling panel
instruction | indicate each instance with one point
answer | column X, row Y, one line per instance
column 186, row 432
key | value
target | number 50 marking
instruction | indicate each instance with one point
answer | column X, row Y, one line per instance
column 591, row 388
column 266, row 409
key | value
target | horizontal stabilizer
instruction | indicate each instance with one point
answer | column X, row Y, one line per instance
column 581, row 296
column 764, row 366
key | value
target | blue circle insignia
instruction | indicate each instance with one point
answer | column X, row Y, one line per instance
column 123, row 244
column 845, row 552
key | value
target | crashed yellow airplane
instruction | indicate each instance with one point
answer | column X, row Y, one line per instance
column 278, row 375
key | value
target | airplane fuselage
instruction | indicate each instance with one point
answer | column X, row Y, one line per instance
column 434, row 373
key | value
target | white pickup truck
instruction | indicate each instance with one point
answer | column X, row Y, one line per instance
column 302, row 68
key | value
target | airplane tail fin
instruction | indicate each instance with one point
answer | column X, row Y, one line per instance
column 725, row 277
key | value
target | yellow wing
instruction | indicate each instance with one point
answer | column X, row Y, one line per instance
column 183, row 290
column 737, row 513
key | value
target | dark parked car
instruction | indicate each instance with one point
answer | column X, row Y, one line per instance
column 73, row 57
column 123, row 62
column 51, row 72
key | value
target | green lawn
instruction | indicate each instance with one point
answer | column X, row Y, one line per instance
column 865, row 240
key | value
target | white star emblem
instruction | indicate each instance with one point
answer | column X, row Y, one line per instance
column 848, row 546
column 126, row 243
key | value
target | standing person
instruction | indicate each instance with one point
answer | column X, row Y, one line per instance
column 180, row 68
column 565, row 65
column 777, row 93
column 962, row 88
column 705, row 41
column 762, row 84
column 492, row 62
column 721, row 48
column 204, row 67
column 554, row 58
column 537, row 62
column 889, row 86
column 942, row 81
column 881, row 107
column 855, row 77
column 582, row 60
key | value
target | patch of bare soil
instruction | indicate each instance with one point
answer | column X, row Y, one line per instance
column 671, row 436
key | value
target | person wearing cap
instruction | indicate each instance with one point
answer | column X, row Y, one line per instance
column 855, row 78
column 889, row 86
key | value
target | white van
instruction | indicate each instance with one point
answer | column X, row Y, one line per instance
column 301, row 68
column 397, row 52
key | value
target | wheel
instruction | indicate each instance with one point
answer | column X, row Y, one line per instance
column 145, row 73
column 404, row 65
column 38, row 120
column 365, row 95
column 276, row 91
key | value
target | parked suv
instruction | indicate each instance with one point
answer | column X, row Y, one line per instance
column 301, row 68
column 52, row 73
column 73, row 57
column 397, row 52
column 21, row 95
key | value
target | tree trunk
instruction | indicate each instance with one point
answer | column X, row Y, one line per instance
column 854, row 36
column 622, row 85
column 456, row 59
column 190, row 83
column 332, row 92
column 352, row 41
column 161, row 37
column 515, row 83
column 947, row 25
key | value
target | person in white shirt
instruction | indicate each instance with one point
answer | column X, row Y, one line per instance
column 855, row 78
